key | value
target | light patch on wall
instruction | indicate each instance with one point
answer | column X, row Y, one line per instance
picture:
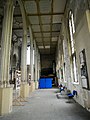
column 28, row 55
column 54, row 39
column 47, row 46
column 88, row 18
column 40, row 47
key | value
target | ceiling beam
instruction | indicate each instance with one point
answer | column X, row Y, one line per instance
column 41, row 37
column 18, row 15
column 39, row 14
column 42, row 14
column 40, row 22
column 17, row 28
column 28, row 0
column 46, row 31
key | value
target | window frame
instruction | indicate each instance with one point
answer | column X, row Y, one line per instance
column 74, row 74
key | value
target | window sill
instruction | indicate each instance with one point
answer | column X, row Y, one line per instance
column 75, row 83
column 65, row 81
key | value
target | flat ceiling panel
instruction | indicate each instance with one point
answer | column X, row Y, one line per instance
column 45, row 6
column 41, row 47
column 37, row 34
column 39, row 39
column 40, row 44
column 45, row 51
column 54, row 39
column 53, row 46
column 46, row 43
column 36, row 28
column 46, row 34
column 46, row 19
column 47, row 46
column 34, row 19
column 57, row 18
column 46, row 39
column 30, row 7
column 59, row 5
column 55, row 34
column 56, row 26
column 45, row 27
column 54, row 43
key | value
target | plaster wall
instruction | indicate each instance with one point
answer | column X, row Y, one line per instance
column 82, row 41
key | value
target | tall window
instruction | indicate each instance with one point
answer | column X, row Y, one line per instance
column 72, row 44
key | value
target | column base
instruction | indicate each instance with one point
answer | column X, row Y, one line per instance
column 32, row 86
column 30, row 89
column 6, row 98
column 24, row 90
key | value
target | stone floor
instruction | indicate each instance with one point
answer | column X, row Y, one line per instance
column 44, row 105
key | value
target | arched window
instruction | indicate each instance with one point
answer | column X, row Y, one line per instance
column 72, row 31
column 72, row 46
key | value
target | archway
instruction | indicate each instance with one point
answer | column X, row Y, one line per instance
column 20, row 36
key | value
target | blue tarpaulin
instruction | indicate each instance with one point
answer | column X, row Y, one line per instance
column 45, row 83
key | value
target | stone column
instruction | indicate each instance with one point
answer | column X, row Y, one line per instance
column 6, row 91
column 24, row 43
column 6, row 43
column 36, row 70
column 23, row 58
column 38, row 62
column 35, row 60
column 24, row 88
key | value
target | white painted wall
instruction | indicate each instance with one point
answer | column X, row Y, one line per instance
column 82, row 41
